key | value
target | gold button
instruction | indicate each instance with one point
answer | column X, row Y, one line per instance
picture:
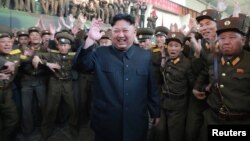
column 223, row 74
column 221, row 86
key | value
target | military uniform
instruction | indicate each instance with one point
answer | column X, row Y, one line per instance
column 45, row 38
column 111, row 11
column 30, row 6
column 143, row 9
column 159, row 132
column 142, row 35
column 33, row 89
column 196, row 107
column 20, row 34
column 229, row 96
column 8, row 112
column 178, row 80
column 60, row 85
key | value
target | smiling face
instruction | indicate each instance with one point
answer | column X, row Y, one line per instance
column 231, row 43
column 35, row 38
column 208, row 29
column 123, row 35
column 174, row 49
column 6, row 44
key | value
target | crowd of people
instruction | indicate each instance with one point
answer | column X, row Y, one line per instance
column 103, row 9
column 119, row 85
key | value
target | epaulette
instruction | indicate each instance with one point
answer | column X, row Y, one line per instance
column 23, row 57
column 71, row 53
column 16, row 51
column 54, row 51
column 156, row 49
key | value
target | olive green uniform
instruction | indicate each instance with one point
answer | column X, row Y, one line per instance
column 228, row 75
column 60, row 86
column 8, row 111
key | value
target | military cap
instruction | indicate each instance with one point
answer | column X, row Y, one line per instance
column 5, row 31
column 107, row 35
column 230, row 24
column 34, row 29
column 211, row 14
column 65, row 38
column 45, row 32
column 176, row 36
column 22, row 33
column 5, row 34
column 246, row 19
column 144, row 33
column 161, row 30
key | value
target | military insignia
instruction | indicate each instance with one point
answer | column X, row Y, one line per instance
column 235, row 61
column 63, row 40
column 175, row 61
column 23, row 57
column 0, row 34
column 240, row 70
column 54, row 51
column 16, row 51
column 204, row 13
column 140, row 36
column 22, row 32
column 173, row 35
column 157, row 50
column 226, row 23
column 71, row 53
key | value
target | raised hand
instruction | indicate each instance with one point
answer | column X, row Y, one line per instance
column 236, row 9
column 221, row 5
column 94, row 32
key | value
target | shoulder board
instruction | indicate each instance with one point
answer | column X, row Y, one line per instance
column 71, row 53
column 16, row 51
column 54, row 51
column 23, row 57
column 156, row 49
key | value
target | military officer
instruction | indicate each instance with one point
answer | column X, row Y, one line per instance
column 178, row 79
column 45, row 38
column 144, row 36
column 33, row 85
column 207, row 21
column 8, row 111
column 60, row 82
column 30, row 6
column 23, row 39
column 228, row 72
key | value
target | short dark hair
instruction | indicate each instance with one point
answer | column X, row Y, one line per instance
column 125, row 17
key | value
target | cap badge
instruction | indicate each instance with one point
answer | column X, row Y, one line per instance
column 140, row 36
column 63, row 40
column 227, row 23
column 204, row 13
column 173, row 35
